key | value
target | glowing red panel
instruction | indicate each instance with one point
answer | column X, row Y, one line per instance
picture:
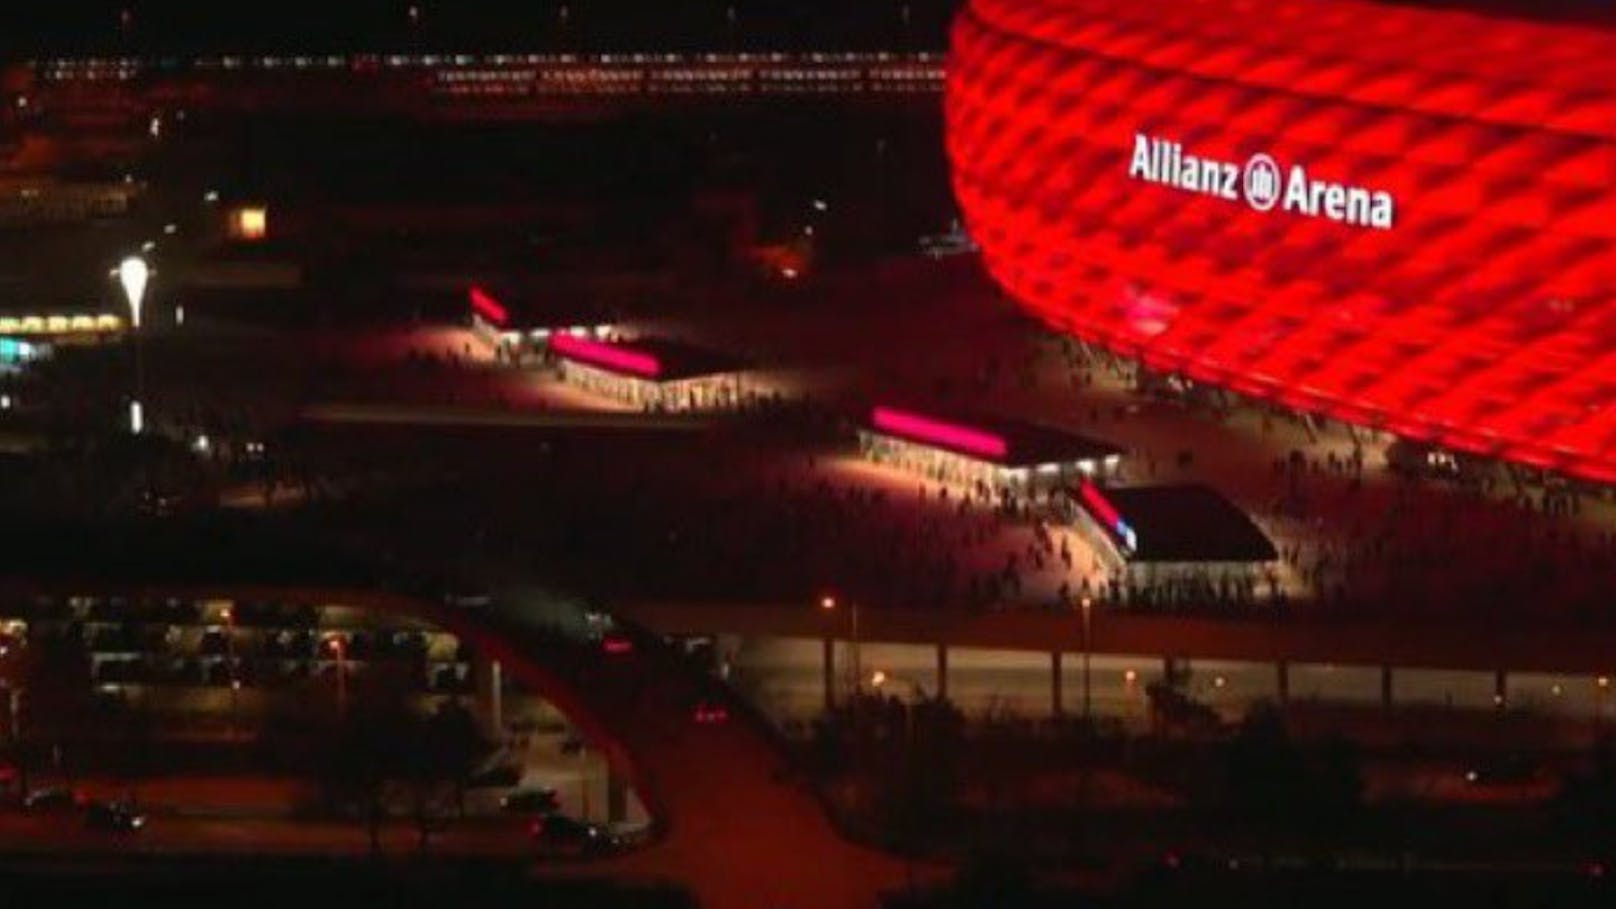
column 606, row 356
column 1098, row 505
column 1444, row 266
column 951, row 436
column 487, row 307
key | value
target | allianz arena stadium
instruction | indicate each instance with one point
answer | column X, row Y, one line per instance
column 1399, row 217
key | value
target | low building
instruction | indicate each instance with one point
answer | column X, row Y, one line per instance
column 519, row 328
column 1007, row 455
column 41, row 330
column 1152, row 533
column 653, row 374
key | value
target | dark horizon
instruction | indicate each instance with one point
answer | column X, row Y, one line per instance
column 171, row 26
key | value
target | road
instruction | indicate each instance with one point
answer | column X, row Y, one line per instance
column 732, row 822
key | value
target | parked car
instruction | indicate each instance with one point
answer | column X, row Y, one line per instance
column 557, row 834
column 530, row 801
column 502, row 776
column 116, row 817
column 1503, row 771
column 709, row 713
column 51, row 798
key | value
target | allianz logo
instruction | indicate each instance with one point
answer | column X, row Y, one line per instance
column 1260, row 183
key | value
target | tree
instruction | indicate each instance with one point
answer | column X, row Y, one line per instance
column 1280, row 788
column 380, row 748
column 1586, row 802
column 51, row 678
column 448, row 748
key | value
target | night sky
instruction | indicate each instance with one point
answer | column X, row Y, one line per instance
column 179, row 26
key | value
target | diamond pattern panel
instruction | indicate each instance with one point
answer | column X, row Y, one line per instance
column 1484, row 318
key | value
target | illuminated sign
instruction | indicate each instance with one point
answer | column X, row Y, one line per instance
column 486, row 306
column 1261, row 183
column 606, row 356
column 958, row 438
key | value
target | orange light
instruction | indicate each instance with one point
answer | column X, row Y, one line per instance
column 250, row 223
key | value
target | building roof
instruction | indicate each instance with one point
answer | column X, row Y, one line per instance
column 1003, row 441
column 654, row 359
column 1186, row 522
column 515, row 311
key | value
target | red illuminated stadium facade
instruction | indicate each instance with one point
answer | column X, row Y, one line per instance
column 1403, row 218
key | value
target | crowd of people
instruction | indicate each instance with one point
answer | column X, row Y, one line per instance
column 774, row 506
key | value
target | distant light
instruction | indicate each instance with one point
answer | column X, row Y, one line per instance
column 155, row 128
column 250, row 222
column 878, row 678
column 788, row 273
column 202, row 445
column 211, row 195
column 137, row 420
column 807, row 230
column 1130, row 676
column 171, row 228
column 5, row 402
column 1219, row 682
column 827, row 603
column 1603, row 681
column 179, row 315
column 148, row 246
column 821, row 205
column 133, row 274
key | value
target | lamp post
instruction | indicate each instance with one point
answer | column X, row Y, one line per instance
column 229, row 617
column 878, row 679
column 133, row 275
column 339, row 650
column 829, row 604
column 1087, row 606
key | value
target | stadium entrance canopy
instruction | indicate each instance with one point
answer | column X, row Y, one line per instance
column 1006, row 455
column 653, row 374
column 1160, row 531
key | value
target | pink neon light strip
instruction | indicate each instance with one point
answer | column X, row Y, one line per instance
column 487, row 306
column 606, row 356
column 945, row 435
column 1098, row 504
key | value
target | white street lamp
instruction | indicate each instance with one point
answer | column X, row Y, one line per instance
column 133, row 275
